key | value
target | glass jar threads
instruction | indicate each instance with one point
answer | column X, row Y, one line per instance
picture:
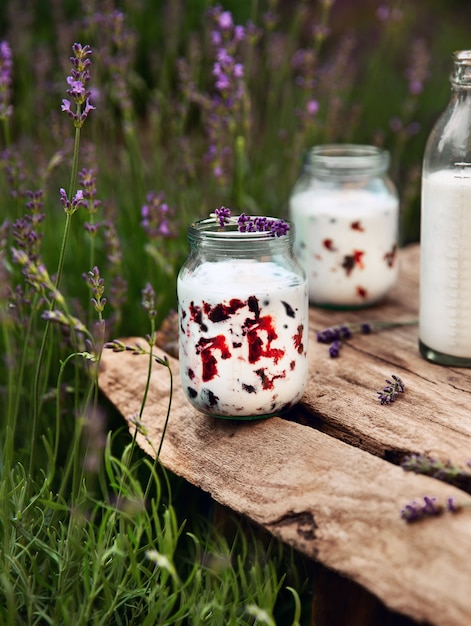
column 346, row 213
column 243, row 317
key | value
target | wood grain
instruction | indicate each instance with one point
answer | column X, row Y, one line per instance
column 328, row 488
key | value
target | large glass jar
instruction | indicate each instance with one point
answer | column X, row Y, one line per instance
column 445, row 238
column 243, row 316
column 346, row 212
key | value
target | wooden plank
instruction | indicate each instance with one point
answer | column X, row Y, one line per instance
column 335, row 502
column 432, row 417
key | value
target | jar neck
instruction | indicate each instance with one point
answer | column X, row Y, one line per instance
column 460, row 78
column 347, row 161
column 208, row 237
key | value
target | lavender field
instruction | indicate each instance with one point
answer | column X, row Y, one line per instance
column 120, row 123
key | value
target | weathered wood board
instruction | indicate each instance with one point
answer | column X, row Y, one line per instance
column 322, row 480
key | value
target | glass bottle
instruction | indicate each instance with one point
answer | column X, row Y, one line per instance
column 243, row 318
column 445, row 240
column 346, row 212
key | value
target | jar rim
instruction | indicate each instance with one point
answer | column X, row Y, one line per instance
column 209, row 229
column 460, row 77
column 462, row 56
column 347, row 159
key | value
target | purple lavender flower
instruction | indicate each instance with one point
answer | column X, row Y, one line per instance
column 277, row 228
column 114, row 253
column 27, row 235
column 118, row 53
column 70, row 206
column 148, row 301
column 334, row 348
column 334, row 333
column 431, row 507
column 346, row 331
column 87, row 181
column 390, row 393
column 249, row 224
column 312, row 107
column 224, row 108
column 452, row 505
column 156, row 216
column 245, row 223
column 14, row 169
column 59, row 317
column 413, row 512
column 78, row 89
column 446, row 470
column 6, row 69
column 97, row 286
column 223, row 214
column 37, row 276
column 224, row 19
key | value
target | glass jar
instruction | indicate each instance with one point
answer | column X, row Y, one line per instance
column 346, row 213
column 445, row 239
column 243, row 322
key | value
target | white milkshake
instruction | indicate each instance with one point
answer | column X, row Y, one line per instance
column 346, row 240
column 243, row 337
column 445, row 265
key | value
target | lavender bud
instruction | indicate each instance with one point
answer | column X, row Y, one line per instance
column 148, row 301
column 334, row 349
column 6, row 69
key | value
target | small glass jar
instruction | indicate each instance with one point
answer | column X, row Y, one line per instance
column 346, row 213
column 243, row 322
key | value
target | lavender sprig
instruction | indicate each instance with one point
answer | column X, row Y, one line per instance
column 447, row 471
column 149, row 301
column 390, row 393
column 78, row 89
column 156, row 216
column 97, row 287
column 337, row 334
column 248, row 224
column 431, row 507
column 6, row 70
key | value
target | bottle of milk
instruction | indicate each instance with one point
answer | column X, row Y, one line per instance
column 346, row 212
column 243, row 315
column 445, row 265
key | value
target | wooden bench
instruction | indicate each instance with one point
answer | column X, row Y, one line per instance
column 326, row 479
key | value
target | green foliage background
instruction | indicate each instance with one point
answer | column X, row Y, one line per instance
column 127, row 543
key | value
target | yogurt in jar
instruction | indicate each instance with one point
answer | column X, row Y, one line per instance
column 243, row 337
column 346, row 240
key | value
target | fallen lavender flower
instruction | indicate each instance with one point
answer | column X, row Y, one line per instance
column 341, row 332
column 334, row 348
column 390, row 393
column 447, row 471
column 431, row 507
